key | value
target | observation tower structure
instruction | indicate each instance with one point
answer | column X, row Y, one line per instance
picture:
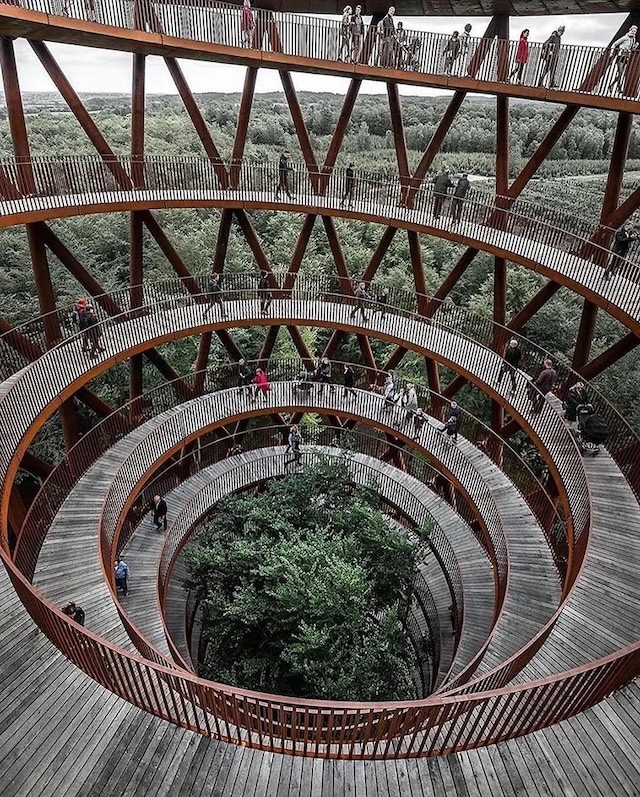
column 532, row 689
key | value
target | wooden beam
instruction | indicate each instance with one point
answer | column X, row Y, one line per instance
column 239, row 142
column 607, row 358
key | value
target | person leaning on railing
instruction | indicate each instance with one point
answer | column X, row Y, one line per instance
column 622, row 49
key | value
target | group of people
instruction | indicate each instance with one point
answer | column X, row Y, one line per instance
column 85, row 320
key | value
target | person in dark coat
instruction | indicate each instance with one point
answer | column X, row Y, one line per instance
column 245, row 375
column 461, row 190
column 450, row 428
column 349, row 381
column 75, row 612
column 284, row 170
column 93, row 331
column 360, row 297
column 349, row 185
column 264, row 293
column 620, row 248
column 159, row 512
column 383, row 301
column 545, row 382
column 419, row 420
column 549, row 57
column 510, row 362
column 442, row 184
column 295, row 441
column 451, row 52
column 215, row 295
column 576, row 395
column 388, row 34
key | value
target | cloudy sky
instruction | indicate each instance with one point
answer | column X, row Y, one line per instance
column 91, row 70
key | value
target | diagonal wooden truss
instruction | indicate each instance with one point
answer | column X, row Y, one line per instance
column 44, row 242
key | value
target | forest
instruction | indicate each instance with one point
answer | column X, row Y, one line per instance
column 576, row 172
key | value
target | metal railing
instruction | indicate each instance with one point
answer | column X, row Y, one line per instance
column 536, row 236
column 567, row 68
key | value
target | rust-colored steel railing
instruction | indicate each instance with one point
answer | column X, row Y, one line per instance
column 541, row 237
column 569, row 68
column 362, row 731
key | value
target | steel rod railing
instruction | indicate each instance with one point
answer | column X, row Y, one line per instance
column 572, row 68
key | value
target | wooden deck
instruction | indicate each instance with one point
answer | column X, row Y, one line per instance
column 620, row 295
column 194, row 496
column 61, row 733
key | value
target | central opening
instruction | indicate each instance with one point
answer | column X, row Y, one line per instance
column 306, row 586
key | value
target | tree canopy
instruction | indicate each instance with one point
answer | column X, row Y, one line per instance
column 304, row 588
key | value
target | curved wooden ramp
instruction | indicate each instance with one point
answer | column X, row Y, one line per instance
column 63, row 734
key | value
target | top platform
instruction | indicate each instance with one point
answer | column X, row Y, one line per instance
column 446, row 8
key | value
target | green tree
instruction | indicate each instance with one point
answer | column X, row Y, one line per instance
column 304, row 589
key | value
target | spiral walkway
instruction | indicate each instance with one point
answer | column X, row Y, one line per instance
column 533, row 548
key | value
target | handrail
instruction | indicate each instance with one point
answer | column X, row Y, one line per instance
column 22, row 344
column 265, row 716
column 566, row 249
column 578, row 69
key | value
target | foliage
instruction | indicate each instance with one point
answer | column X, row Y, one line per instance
column 304, row 588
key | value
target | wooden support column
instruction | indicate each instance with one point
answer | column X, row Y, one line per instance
column 610, row 356
column 400, row 144
column 301, row 129
column 136, row 238
column 246, row 103
column 585, row 336
column 533, row 305
column 15, row 113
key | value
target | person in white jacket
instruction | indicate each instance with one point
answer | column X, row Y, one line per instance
column 622, row 49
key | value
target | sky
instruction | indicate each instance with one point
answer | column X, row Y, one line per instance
column 97, row 71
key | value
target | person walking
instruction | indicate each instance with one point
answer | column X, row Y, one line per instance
column 510, row 362
column 349, row 185
column 544, row 383
column 122, row 575
column 442, row 184
column 295, row 442
column 345, row 35
column 451, row 52
column 620, row 248
column 549, row 57
column 419, row 420
column 459, row 194
column 79, row 321
column 93, row 332
column 293, row 433
column 284, row 170
column 382, row 302
column 323, row 375
column 409, row 401
column 388, row 34
column 464, row 46
column 455, row 411
column 390, row 392
column 264, row 293
column 450, row 428
column 357, row 35
column 360, row 297
column 522, row 56
column 260, row 384
column 247, row 23
column 75, row 612
column 215, row 295
column 349, row 378
column 622, row 49
column 159, row 512
column 244, row 376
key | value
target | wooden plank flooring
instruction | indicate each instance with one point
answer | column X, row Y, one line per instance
column 620, row 291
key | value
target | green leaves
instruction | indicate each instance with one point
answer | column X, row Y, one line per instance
column 303, row 588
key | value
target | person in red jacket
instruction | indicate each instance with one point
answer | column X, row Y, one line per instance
column 247, row 23
column 260, row 384
column 522, row 56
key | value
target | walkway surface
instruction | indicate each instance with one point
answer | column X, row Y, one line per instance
column 61, row 733
column 620, row 293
